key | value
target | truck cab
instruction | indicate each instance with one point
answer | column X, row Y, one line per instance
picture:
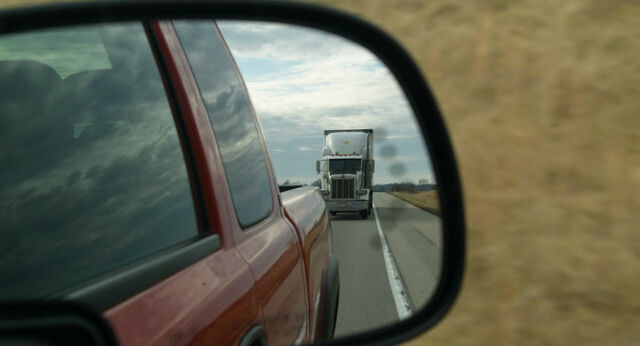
column 347, row 167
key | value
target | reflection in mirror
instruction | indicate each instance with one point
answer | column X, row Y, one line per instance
column 101, row 183
column 334, row 117
column 92, row 175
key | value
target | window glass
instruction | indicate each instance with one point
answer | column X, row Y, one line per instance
column 345, row 166
column 92, row 174
column 231, row 118
column 83, row 50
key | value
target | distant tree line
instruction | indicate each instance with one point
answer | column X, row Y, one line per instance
column 404, row 187
column 423, row 185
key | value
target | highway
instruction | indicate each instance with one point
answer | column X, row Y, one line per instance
column 368, row 298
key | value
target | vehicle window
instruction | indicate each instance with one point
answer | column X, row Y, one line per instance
column 231, row 118
column 348, row 166
column 92, row 174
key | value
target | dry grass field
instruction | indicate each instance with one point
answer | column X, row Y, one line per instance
column 426, row 200
column 542, row 99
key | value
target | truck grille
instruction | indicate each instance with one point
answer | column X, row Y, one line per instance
column 343, row 188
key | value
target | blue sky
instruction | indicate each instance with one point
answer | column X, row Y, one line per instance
column 302, row 81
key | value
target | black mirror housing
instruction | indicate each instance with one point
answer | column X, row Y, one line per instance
column 53, row 323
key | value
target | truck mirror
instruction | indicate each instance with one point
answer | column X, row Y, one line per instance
column 372, row 166
column 317, row 166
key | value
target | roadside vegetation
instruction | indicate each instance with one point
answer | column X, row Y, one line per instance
column 425, row 200
column 541, row 100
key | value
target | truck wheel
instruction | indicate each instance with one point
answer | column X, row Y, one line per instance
column 364, row 214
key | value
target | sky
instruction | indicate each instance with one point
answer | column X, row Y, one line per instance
column 302, row 81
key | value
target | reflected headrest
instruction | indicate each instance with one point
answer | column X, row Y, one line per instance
column 20, row 78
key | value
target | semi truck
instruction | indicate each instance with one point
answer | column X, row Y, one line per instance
column 346, row 169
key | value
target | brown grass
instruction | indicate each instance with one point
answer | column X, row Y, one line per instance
column 542, row 99
column 425, row 200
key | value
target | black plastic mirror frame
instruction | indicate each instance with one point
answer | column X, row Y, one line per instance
column 53, row 323
column 381, row 44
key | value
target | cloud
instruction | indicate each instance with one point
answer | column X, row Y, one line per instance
column 302, row 81
column 321, row 80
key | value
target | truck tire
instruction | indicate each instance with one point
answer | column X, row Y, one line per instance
column 364, row 214
column 370, row 202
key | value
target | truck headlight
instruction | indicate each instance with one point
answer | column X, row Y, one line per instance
column 325, row 192
column 363, row 191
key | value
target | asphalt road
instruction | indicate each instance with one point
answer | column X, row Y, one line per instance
column 414, row 238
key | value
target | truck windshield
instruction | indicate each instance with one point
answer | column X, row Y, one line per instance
column 344, row 166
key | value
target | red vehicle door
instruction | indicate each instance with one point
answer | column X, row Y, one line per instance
column 108, row 193
column 262, row 234
column 211, row 301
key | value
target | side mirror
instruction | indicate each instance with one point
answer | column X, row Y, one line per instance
column 156, row 23
column 372, row 166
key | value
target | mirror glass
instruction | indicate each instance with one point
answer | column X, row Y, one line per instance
column 98, row 183
column 334, row 116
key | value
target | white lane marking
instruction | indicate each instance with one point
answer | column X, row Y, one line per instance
column 397, row 288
